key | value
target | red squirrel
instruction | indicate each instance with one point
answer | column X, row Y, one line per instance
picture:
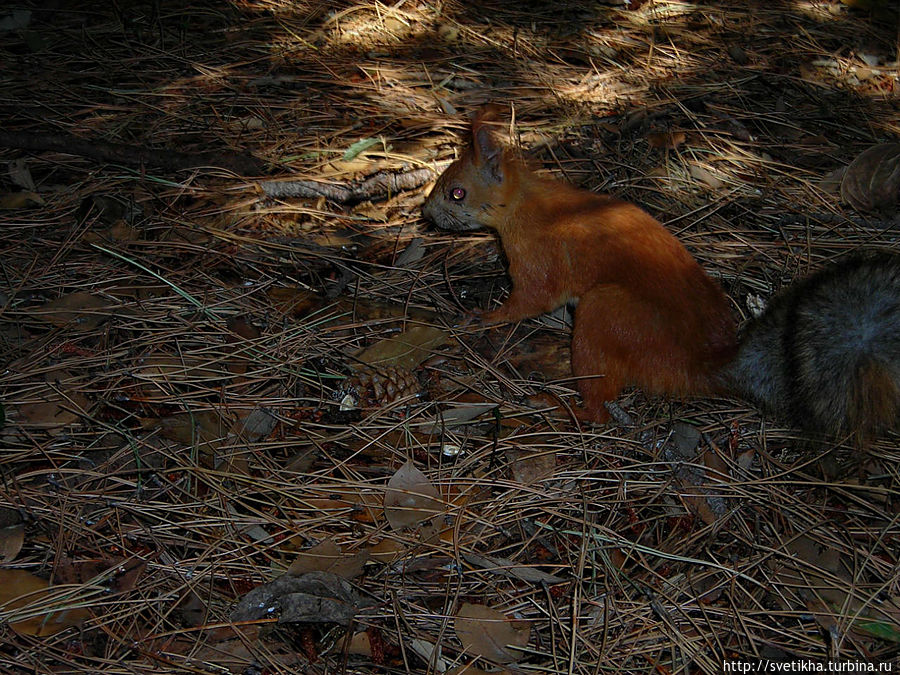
column 826, row 353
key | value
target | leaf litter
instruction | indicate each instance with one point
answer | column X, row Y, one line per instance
column 179, row 345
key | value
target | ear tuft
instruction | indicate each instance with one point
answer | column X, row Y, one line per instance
column 488, row 153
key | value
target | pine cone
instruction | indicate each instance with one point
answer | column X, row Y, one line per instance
column 378, row 386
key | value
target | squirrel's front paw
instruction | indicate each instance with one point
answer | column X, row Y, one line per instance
column 493, row 317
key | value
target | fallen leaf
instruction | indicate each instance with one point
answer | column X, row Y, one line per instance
column 826, row 586
column 316, row 597
column 60, row 404
column 406, row 350
column 293, row 301
column 389, row 550
column 164, row 371
column 530, row 467
column 12, row 534
column 117, row 575
column 669, row 140
column 454, row 416
column 327, row 556
column 484, row 631
column 202, row 431
column 412, row 254
column 20, row 174
column 255, row 425
column 872, row 181
column 410, row 498
column 360, row 644
column 80, row 310
column 22, row 592
column 20, row 200
column 510, row 568
column 705, row 176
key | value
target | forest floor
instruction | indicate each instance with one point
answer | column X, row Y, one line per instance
column 245, row 428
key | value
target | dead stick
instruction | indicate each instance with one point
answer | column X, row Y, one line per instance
column 130, row 155
column 380, row 185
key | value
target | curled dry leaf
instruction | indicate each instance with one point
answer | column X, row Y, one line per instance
column 410, row 498
column 484, row 631
column 872, row 181
column 20, row 591
column 316, row 597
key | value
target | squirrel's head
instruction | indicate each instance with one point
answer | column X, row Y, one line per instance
column 471, row 193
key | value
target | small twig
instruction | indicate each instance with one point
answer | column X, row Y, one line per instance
column 381, row 185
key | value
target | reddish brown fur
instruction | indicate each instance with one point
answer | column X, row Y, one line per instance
column 874, row 403
column 647, row 315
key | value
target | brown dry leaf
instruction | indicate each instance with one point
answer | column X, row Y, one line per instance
column 666, row 139
column 825, row 583
column 454, row 416
column 360, row 644
column 167, row 370
column 316, row 597
column 193, row 609
column 255, row 425
column 705, row 176
column 528, row 467
column 294, row 301
column 80, row 311
column 204, row 431
column 872, row 181
column 406, row 350
column 388, row 550
column 61, row 404
column 510, row 568
column 328, row 557
column 484, row 631
column 359, row 508
column 12, row 534
column 118, row 575
column 20, row 590
column 410, row 498
column 20, row 200
column 695, row 485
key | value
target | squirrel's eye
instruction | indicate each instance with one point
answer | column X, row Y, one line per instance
column 457, row 194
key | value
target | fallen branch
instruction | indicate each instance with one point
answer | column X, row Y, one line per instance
column 378, row 186
column 129, row 155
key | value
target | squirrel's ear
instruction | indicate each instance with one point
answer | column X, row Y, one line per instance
column 487, row 151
